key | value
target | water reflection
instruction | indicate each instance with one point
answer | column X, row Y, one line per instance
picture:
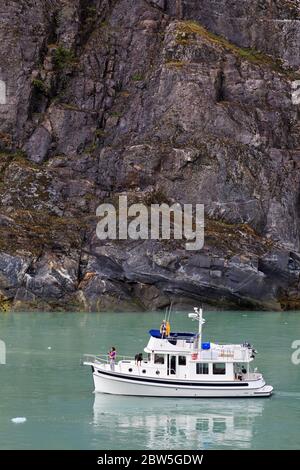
column 152, row 423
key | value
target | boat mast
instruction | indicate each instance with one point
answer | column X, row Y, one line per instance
column 198, row 315
column 200, row 329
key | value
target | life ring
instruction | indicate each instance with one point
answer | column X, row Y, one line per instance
column 194, row 356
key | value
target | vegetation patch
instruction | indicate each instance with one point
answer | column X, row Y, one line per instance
column 124, row 93
column 70, row 107
column 188, row 30
column 40, row 86
column 90, row 148
column 5, row 139
column 177, row 64
column 116, row 114
column 91, row 11
column 63, row 58
column 19, row 157
column 235, row 239
column 36, row 230
column 100, row 133
column 5, row 304
column 137, row 77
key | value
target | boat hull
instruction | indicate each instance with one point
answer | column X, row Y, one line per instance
column 118, row 384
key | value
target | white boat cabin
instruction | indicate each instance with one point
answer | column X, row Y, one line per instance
column 178, row 356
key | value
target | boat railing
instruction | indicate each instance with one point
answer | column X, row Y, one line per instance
column 226, row 354
column 92, row 358
column 254, row 375
column 104, row 358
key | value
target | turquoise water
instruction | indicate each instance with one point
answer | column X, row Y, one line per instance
column 55, row 393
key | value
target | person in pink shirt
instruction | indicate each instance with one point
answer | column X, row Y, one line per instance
column 112, row 357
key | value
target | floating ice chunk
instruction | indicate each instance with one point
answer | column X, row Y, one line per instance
column 49, row 347
column 19, row 420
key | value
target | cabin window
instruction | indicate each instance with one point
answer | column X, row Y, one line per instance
column 219, row 368
column 182, row 360
column 201, row 368
column 173, row 341
column 159, row 359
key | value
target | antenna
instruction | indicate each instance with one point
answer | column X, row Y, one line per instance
column 197, row 315
column 193, row 316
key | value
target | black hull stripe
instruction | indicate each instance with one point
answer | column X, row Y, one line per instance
column 166, row 382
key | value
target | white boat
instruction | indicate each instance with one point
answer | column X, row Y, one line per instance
column 180, row 365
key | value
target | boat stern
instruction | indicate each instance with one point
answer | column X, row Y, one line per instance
column 265, row 391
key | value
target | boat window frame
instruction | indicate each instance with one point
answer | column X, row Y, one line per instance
column 219, row 364
column 198, row 364
column 181, row 357
column 162, row 356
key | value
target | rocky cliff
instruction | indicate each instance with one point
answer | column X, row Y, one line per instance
column 192, row 101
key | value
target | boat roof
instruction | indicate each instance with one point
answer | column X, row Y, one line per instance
column 183, row 343
column 157, row 334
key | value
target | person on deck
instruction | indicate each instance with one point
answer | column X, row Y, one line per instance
column 112, row 357
column 163, row 329
column 168, row 328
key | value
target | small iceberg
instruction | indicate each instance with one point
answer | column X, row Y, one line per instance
column 19, row 420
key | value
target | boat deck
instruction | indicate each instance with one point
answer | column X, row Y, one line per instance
column 129, row 367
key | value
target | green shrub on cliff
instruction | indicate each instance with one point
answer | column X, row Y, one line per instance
column 63, row 58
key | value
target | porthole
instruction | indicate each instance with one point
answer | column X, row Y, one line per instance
column 130, row 370
column 144, row 371
column 157, row 372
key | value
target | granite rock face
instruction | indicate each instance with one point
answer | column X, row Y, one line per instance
column 271, row 26
column 166, row 101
